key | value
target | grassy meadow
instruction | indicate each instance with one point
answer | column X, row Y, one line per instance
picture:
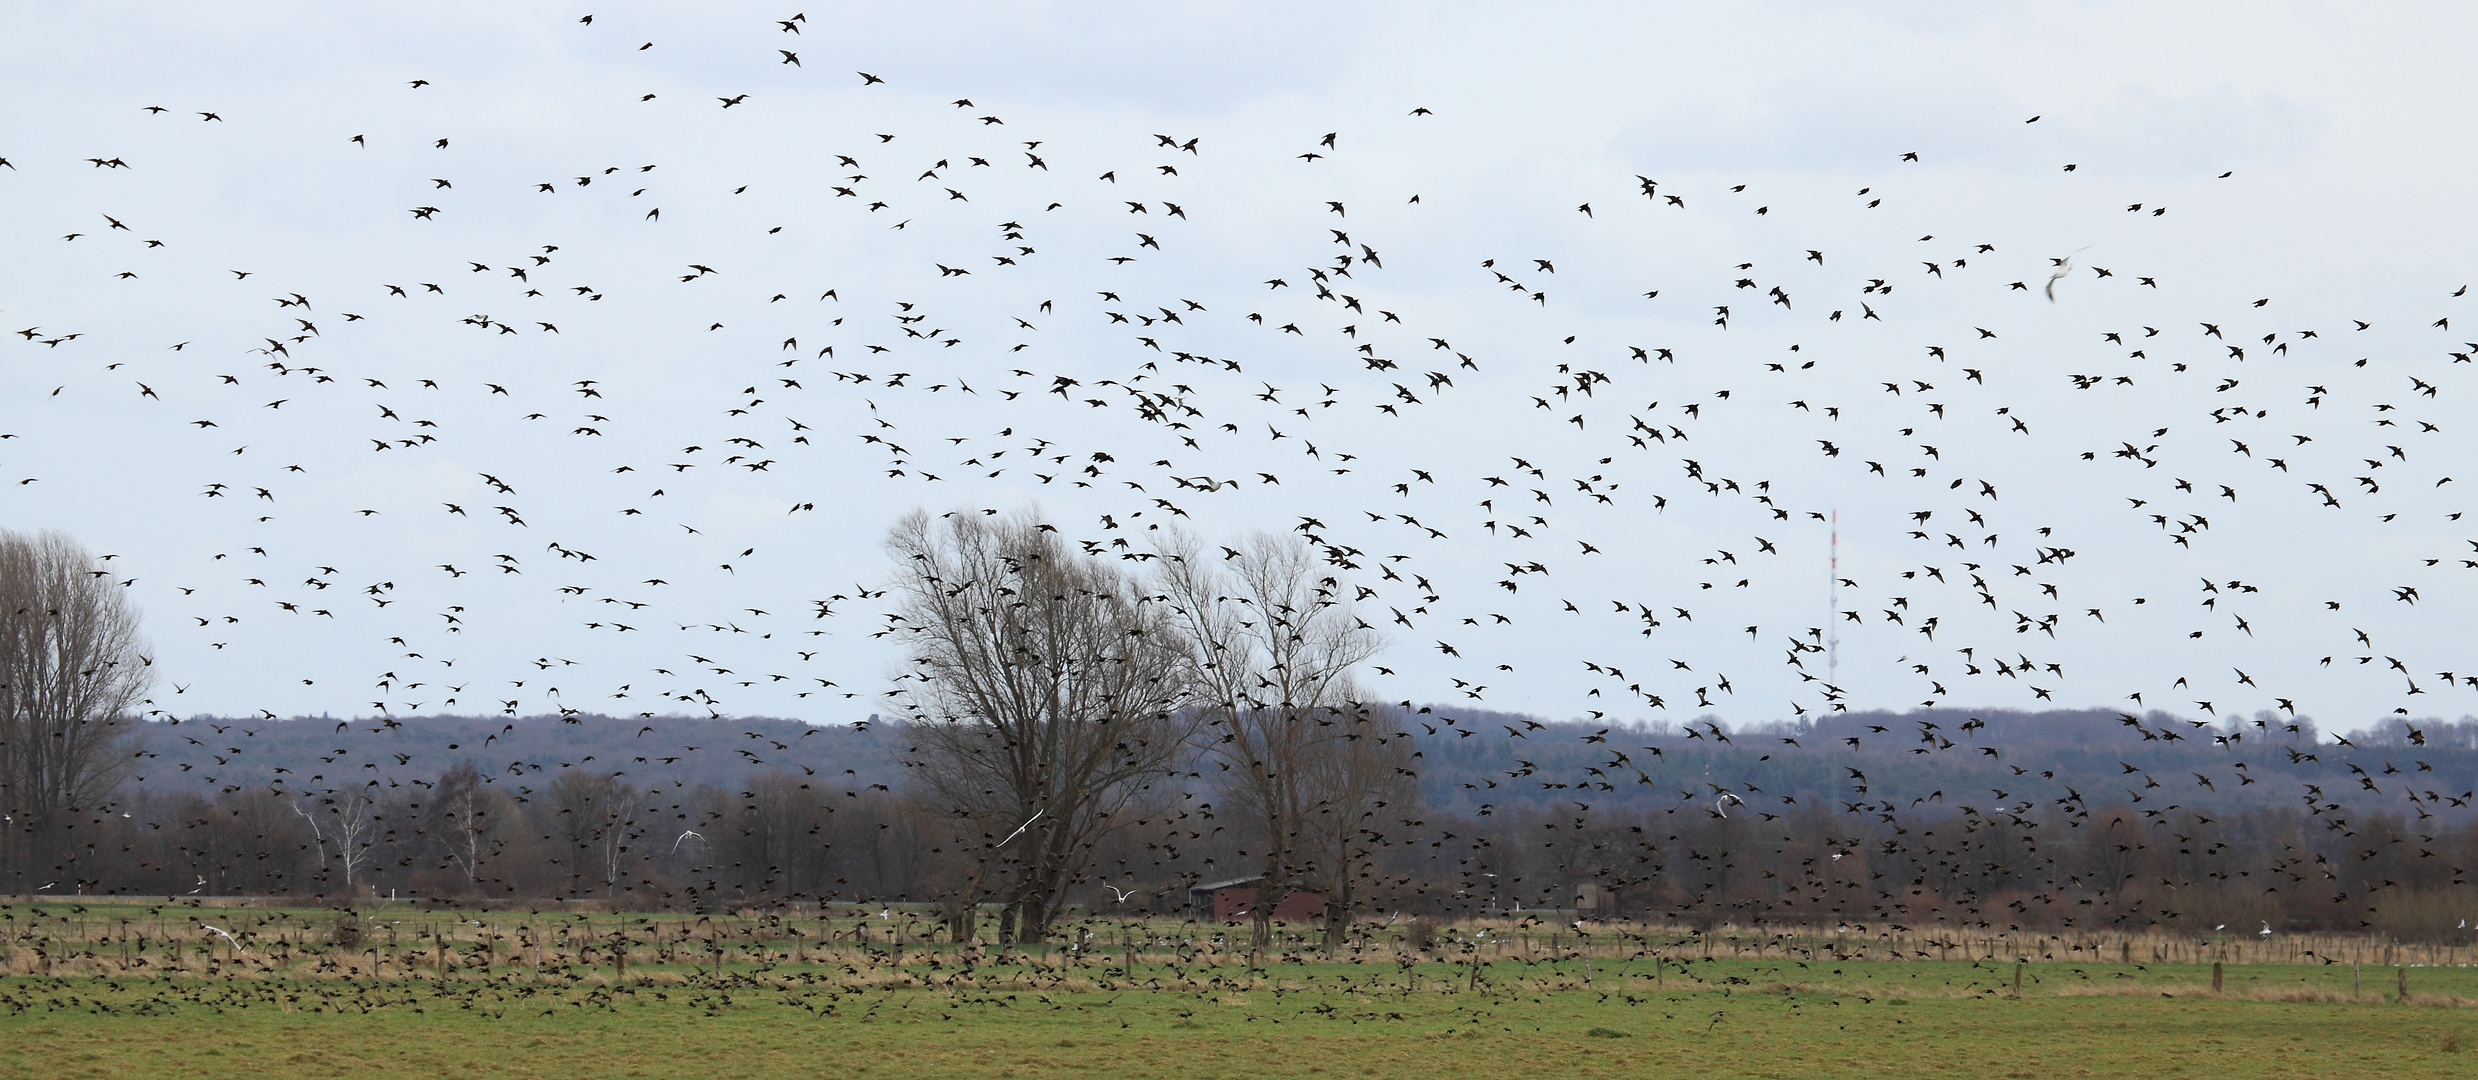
column 116, row 990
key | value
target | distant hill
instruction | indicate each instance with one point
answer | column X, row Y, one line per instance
column 220, row 752
column 1469, row 761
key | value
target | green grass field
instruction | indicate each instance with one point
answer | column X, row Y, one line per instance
column 1871, row 1020
column 292, row 1004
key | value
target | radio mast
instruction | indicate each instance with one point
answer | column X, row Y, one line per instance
column 1832, row 592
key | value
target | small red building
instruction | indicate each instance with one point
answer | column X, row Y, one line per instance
column 1233, row 900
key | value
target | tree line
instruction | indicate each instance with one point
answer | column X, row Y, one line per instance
column 780, row 835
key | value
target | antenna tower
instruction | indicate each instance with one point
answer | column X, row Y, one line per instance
column 1832, row 592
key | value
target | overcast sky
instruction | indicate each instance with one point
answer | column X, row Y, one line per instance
column 577, row 344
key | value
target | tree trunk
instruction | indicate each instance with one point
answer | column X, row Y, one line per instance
column 1260, row 929
column 1033, row 923
column 1337, row 913
column 962, row 916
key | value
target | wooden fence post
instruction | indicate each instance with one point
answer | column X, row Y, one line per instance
column 2017, row 977
column 2215, row 977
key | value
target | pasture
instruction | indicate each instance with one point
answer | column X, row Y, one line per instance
column 562, row 994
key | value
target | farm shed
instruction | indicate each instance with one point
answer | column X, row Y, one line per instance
column 1224, row 901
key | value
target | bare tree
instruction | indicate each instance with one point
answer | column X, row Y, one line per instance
column 72, row 671
column 467, row 819
column 1361, row 777
column 884, row 838
column 595, row 820
column 618, row 825
column 774, row 834
column 1046, row 700
column 345, row 819
column 1273, row 645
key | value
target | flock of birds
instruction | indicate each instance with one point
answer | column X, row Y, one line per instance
column 390, row 459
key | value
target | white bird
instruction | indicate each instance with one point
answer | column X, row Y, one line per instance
column 684, row 835
column 236, row 942
column 1119, row 895
column 2064, row 266
column 2267, row 930
column 1019, row 830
